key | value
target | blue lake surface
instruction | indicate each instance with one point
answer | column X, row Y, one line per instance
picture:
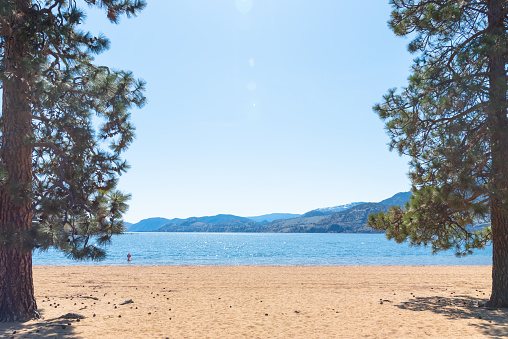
column 264, row 249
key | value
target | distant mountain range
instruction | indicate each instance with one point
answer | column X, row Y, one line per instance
column 349, row 218
column 352, row 220
column 398, row 199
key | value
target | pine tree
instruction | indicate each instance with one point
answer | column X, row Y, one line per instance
column 57, row 172
column 452, row 121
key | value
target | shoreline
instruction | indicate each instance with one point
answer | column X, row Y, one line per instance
column 215, row 301
column 261, row 265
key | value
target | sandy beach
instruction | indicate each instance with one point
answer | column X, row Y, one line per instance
column 262, row 302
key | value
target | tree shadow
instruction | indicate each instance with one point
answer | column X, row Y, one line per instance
column 490, row 321
column 41, row 328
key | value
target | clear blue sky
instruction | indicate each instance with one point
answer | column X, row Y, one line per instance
column 258, row 106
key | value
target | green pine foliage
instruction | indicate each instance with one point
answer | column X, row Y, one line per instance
column 443, row 121
column 75, row 203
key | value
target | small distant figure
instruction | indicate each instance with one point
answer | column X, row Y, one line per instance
column 129, row 257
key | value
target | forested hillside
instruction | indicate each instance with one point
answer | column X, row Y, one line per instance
column 350, row 218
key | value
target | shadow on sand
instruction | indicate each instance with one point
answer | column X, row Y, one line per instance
column 42, row 328
column 491, row 322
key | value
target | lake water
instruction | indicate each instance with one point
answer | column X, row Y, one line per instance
column 264, row 249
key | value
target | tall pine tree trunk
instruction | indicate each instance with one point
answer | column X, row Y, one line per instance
column 498, row 125
column 17, row 299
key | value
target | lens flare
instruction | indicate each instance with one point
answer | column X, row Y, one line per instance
column 243, row 6
column 251, row 86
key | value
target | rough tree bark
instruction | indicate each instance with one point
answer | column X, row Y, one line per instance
column 498, row 124
column 17, row 299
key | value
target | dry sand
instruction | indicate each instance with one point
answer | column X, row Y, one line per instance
column 262, row 302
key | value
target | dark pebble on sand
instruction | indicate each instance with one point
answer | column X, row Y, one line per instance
column 149, row 312
column 266, row 314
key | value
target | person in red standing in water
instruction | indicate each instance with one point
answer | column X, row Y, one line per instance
column 128, row 257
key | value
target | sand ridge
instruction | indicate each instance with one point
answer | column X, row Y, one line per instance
column 262, row 302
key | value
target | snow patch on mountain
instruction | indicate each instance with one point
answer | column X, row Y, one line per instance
column 340, row 208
